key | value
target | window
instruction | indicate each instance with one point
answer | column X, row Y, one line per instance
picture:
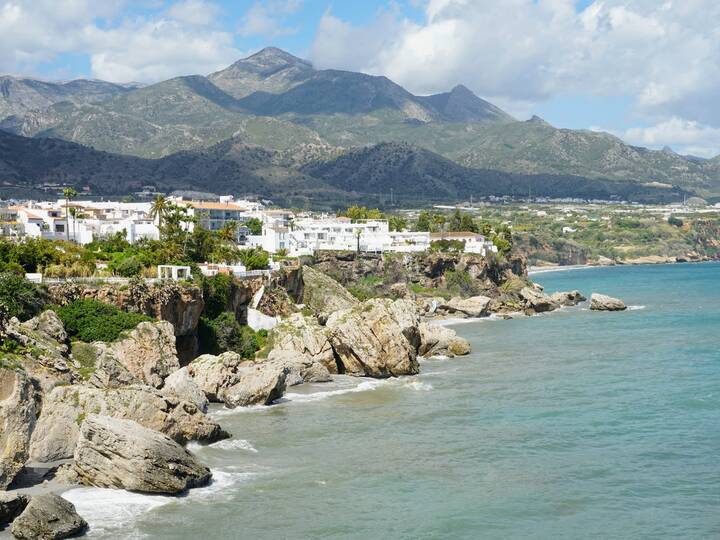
column 60, row 227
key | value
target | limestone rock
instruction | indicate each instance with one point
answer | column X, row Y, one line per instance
column 183, row 386
column 567, row 298
column 438, row 340
column 600, row 302
column 48, row 517
column 301, row 369
column 12, row 505
column 148, row 352
column 213, row 374
column 378, row 338
column 122, row 454
column 475, row 306
column 17, row 419
column 323, row 294
column 536, row 300
column 58, row 427
column 109, row 372
column 305, row 336
column 258, row 384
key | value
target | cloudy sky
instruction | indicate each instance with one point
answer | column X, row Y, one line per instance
column 646, row 70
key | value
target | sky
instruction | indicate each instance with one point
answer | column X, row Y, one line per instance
column 645, row 70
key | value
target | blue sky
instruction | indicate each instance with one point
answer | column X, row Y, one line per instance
column 645, row 70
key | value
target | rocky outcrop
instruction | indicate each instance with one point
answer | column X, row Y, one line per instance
column 567, row 298
column 109, row 372
column 301, row 369
column 600, row 302
column 257, row 384
column 536, row 300
column 475, row 306
column 214, row 374
column 181, row 385
column 17, row 419
column 304, row 336
column 12, row 505
column 48, row 517
column 323, row 295
column 438, row 340
column 45, row 340
column 378, row 338
column 65, row 408
column 122, row 454
column 148, row 352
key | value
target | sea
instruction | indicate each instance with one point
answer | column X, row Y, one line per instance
column 568, row 425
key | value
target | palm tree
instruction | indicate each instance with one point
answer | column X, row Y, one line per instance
column 158, row 209
column 74, row 214
column 68, row 193
column 228, row 233
column 358, row 234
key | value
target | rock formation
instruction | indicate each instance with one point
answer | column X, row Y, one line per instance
column 304, row 336
column 301, row 369
column 213, row 374
column 438, row 340
column 66, row 407
column 48, row 517
column 12, row 505
column 323, row 295
column 181, row 385
column 475, row 306
column 17, row 419
column 122, row 454
column 567, row 298
column 148, row 352
column 536, row 300
column 258, row 384
column 600, row 302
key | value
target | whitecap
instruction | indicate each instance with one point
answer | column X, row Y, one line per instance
column 317, row 396
column 635, row 308
column 235, row 444
column 418, row 385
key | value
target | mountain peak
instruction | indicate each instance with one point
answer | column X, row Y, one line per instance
column 272, row 57
column 461, row 104
column 538, row 120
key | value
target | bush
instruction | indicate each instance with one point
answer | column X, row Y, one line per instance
column 19, row 297
column 254, row 258
column 452, row 246
column 90, row 320
column 224, row 333
column 216, row 293
column 461, row 282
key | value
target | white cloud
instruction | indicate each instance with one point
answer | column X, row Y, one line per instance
column 267, row 18
column 183, row 40
column 684, row 136
column 666, row 55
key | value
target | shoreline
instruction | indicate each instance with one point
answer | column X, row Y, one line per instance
column 535, row 270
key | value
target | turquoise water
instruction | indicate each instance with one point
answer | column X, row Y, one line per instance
column 568, row 425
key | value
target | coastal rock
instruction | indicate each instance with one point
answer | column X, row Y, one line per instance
column 181, row 385
column 257, row 384
column 148, row 352
column 304, row 336
column 650, row 259
column 58, row 427
column 567, row 298
column 48, row 517
column 536, row 300
column 213, row 374
column 376, row 339
column 600, row 302
column 475, row 306
column 323, row 295
column 438, row 340
column 122, row 454
column 604, row 261
column 301, row 369
column 17, row 420
column 11, row 506
column 109, row 372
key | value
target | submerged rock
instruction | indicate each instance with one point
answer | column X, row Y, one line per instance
column 378, row 338
column 11, row 506
column 441, row 341
column 17, row 419
column 48, row 517
column 568, row 298
column 58, row 427
column 122, row 454
column 600, row 302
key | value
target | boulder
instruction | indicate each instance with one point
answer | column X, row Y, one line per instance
column 323, row 295
column 122, row 454
column 257, row 384
column 181, row 385
column 536, row 300
column 600, row 302
column 475, row 306
column 109, row 372
column 378, row 338
column 301, row 369
column 48, row 517
column 12, row 505
column 58, row 427
column 148, row 352
column 567, row 298
column 441, row 341
column 17, row 419
column 304, row 336
column 213, row 374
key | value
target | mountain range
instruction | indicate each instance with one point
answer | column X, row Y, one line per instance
column 273, row 124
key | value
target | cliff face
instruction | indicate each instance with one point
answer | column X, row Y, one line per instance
column 560, row 251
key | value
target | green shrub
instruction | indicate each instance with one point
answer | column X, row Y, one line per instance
column 216, row 293
column 461, row 283
column 453, row 246
column 19, row 297
column 90, row 320
column 224, row 333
